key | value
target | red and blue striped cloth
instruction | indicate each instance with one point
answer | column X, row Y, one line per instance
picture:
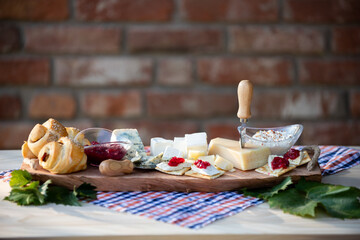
column 197, row 209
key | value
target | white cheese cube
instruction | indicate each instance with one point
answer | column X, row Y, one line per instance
column 171, row 152
column 196, row 141
column 180, row 144
column 158, row 145
column 195, row 154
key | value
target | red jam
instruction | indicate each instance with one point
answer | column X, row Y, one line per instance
column 292, row 154
column 96, row 153
column 175, row 161
column 202, row 164
column 279, row 162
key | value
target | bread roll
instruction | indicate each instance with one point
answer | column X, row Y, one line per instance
column 63, row 156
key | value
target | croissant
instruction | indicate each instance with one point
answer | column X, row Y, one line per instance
column 73, row 134
column 63, row 156
column 40, row 135
column 26, row 152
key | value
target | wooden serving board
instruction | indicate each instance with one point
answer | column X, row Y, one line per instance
column 152, row 180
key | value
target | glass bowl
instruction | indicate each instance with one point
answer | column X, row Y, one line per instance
column 291, row 135
column 102, row 147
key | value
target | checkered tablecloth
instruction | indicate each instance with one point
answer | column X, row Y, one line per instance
column 197, row 209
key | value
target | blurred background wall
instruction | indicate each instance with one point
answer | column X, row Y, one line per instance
column 169, row 67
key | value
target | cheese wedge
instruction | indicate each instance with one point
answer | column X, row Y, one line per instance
column 223, row 164
column 242, row 158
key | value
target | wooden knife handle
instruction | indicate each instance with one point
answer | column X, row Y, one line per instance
column 245, row 92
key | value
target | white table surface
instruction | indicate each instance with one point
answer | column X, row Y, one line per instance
column 93, row 222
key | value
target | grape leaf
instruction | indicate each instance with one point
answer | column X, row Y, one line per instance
column 294, row 202
column 28, row 195
column 338, row 201
column 24, row 191
column 86, row 190
column 305, row 197
column 19, row 178
column 266, row 193
column 61, row 195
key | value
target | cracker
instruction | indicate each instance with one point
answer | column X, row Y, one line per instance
column 176, row 172
column 305, row 159
column 267, row 171
column 192, row 173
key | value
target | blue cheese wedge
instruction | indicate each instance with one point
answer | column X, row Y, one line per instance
column 137, row 150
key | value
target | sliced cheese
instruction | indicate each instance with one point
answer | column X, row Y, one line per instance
column 223, row 164
column 297, row 160
column 180, row 144
column 171, row 152
column 158, row 145
column 241, row 158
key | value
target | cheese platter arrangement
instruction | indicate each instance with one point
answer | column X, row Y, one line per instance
column 117, row 160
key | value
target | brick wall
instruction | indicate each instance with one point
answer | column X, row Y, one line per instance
column 169, row 67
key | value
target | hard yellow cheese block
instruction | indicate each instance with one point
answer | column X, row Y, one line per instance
column 241, row 158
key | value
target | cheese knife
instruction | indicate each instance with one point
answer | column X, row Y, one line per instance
column 245, row 93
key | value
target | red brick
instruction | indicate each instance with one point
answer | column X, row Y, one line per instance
column 175, row 72
column 24, row 71
column 346, row 40
column 34, row 10
column 191, row 104
column 112, row 104
column 222, row 129
column 103, row 71
column 229, row 10
column 9, row 38
column 124, row 10
column 276, row 40
column 331, row 133
column 355, row 103
column 55, row 105
column 286, row 104
column 13, row 134
column 230, row 71
column 180, row 39
column 73, row 39
column 334, row 72
column 149, row 128
column 322, row 11
column 10, row 106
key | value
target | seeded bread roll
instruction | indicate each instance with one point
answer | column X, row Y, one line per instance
column 73, row 134
column 40, row 135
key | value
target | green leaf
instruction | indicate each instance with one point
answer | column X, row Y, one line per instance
column 86, row 190
column 20, row 178
column 338, row 201
column 294, row 202
column 61, row 195
column 266, row 193
column 29, row 195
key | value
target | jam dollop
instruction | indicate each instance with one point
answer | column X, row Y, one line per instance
column 292, row 154
column 279, row 162
column 96, row 153
column 201, row 164
column 175, row 161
